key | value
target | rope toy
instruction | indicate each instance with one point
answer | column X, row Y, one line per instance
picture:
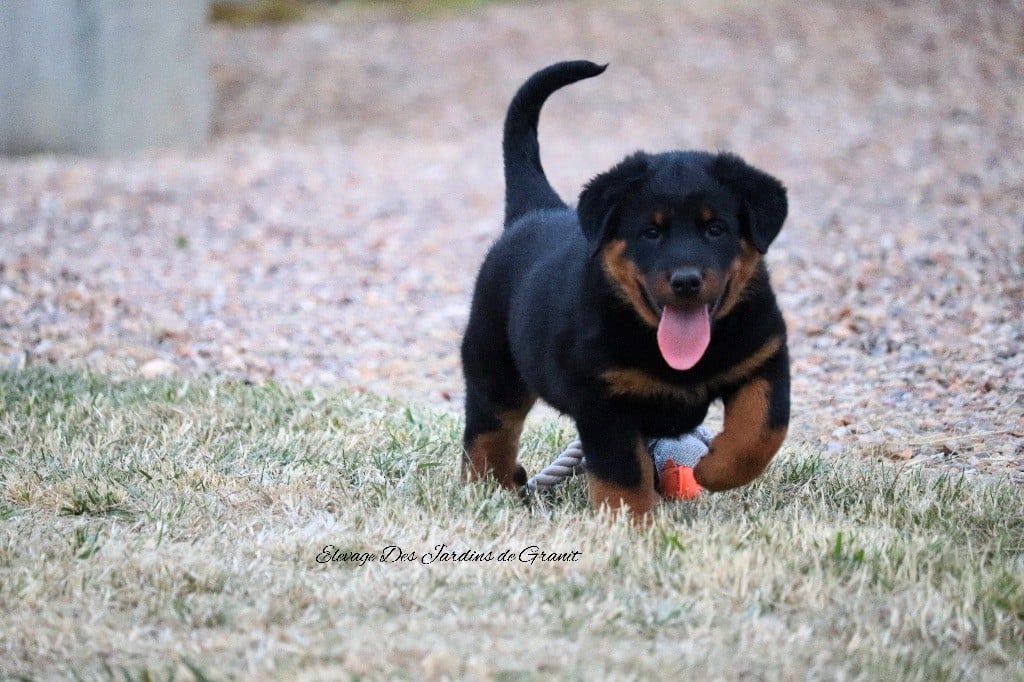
column 674, row 459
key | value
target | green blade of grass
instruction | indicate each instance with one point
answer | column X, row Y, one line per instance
column 175, row 527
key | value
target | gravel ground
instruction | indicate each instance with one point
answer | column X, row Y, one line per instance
column 330, row 231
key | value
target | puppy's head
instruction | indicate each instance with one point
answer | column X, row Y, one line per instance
column 680, row 235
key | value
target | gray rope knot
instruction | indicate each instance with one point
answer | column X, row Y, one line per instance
column 685, row 451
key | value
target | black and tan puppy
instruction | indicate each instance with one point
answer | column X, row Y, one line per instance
column 630, row 314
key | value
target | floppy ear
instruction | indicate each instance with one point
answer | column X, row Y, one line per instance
column 763, row 195
column 602, row 196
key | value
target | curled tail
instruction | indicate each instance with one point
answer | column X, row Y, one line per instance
column 526, row 186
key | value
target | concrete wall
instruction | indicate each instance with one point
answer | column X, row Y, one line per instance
column 102, row 76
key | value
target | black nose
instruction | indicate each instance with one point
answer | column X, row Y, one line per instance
column 686, row 282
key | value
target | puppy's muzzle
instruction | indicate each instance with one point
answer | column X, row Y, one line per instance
column 686, row 283
column 687, row 287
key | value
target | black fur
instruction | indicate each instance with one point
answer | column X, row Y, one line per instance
column 526, row 185
column 548, row 320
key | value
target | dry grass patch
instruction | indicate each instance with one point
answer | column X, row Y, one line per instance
column 250, row 13
column 164, row 529
column 256, row 12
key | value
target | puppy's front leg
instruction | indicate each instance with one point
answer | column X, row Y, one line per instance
column 756, row 420
column 620, row 470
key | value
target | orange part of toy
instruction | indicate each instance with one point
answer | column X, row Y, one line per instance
column 678, row 483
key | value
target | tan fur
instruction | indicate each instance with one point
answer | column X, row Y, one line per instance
column 640, row 384
column 496, row 453
column 746, row 444
column 624, row 274
column 640, row 500
column 740, row 272
column 634, row 382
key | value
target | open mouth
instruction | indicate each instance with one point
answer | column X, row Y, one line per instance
column 684, row 332
column 657, row 308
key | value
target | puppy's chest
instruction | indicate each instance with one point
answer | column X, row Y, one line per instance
column 659, row 407
column 666, row 418
column 640, row 386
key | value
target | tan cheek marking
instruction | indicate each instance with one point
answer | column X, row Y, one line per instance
column 738, row 276
column 659, row 218
column 626, row 278
column 705, row 214
column 640, row 500
column 714, row 283
column 495, row 453
column 746, row 445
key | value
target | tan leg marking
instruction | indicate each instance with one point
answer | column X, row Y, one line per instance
column 746, row 444
column 640, row 500
column 496, row 453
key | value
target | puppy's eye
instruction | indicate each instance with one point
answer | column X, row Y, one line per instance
column 652, row 234
column 714, row 229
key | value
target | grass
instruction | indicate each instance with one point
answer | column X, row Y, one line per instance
column 431, row 7
column 170, row 530
column 246, row 14
column 256, row 12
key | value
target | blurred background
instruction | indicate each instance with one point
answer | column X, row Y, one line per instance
column 301, row 192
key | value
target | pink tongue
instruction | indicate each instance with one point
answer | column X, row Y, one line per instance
column 683, row 336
